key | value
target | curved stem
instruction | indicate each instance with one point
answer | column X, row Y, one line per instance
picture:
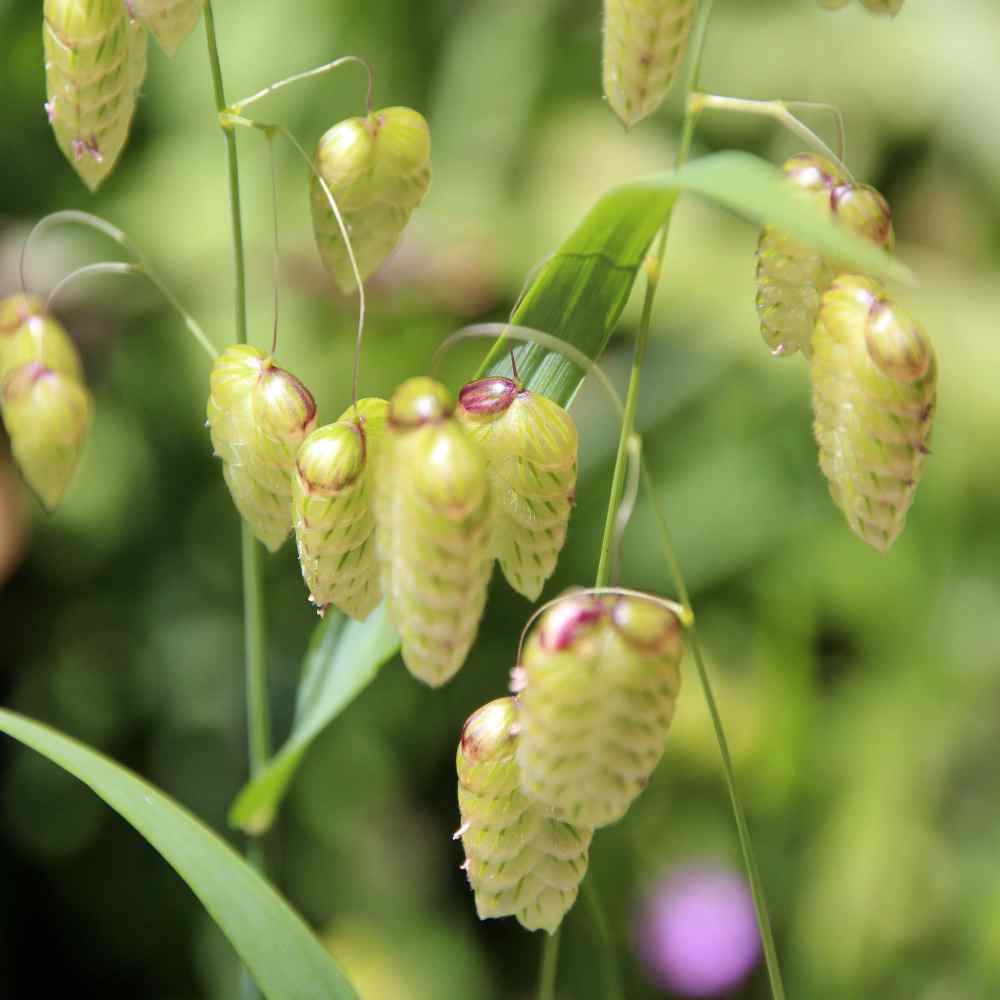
column 550, row 964
column 112, row 267
column 254, row 620
column 308, row 74
column 610, row 973
column 229, row 119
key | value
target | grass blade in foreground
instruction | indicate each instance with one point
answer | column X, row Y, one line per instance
column 283, row 955
column 342, row 661
column 578, row 296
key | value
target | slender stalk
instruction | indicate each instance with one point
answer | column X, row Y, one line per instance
column 610, row 973
column 550, row 963
column 308, row 74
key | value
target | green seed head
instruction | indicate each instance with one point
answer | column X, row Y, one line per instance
column 28, row 333
column 597, row 686
column 434, row 519
column 332, row 509
column 644, row 46
column 791, row 276
column 378, row 171
column 530, row 445
column 95, row 62
column 258, row 415
column 520, row 861
column 47, row 415
column 874, row 384
column 170, row 21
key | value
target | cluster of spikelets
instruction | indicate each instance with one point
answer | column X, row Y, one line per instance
column 593, row 698
column 45, row 402
column 872, row 367
column 411, row 499
column 95, row 62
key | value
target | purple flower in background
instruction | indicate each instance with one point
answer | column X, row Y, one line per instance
column 697, row 933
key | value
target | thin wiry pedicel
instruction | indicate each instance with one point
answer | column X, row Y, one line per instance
column 95, row 62
column 378, row 171
column 531, row 447
column 792, row 276
column 644, row 46
column 520, row 860
column 333, row 509
column 170, row 21
column 259, row 415
column 45, row 403
column 433, row 523
column 596, row 686
column 874, row 386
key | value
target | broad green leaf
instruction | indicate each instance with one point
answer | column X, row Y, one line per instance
column 578, row 296
column 281, row 952
column 342, row 660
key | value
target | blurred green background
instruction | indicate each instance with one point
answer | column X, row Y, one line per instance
column 861, row 692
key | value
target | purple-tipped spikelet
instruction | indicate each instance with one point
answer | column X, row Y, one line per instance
column 170, row 21
column 596, row 687
column 521, row 861
column 47, row 414
column 332, row 509
column 874, row 379
column 644, row 46
column 95, row 62
column 433, row 522
column 28, row 333
column 530, row 445
column 792, row 276
column 378, row 171
column 259, row 415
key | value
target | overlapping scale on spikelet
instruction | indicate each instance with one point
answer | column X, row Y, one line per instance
column 258, row 416
column 596, row 686
column 521, row 861
column 792, row 276
column 433, row 521
column 333, row 509
column 95, row 62
column 874, row 385
column 170, row 21
column 644, row 46
column 45, row 403
column 378, row 171
column 531, row 447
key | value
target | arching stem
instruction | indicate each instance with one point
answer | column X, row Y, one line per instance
column 238, row 107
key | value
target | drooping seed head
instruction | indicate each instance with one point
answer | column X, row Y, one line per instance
column 597, row 686
column 874, row 379
column 434, row 519
column 28, row 333
column 170, row 21
column 332, row 509
column 95, row 61
column 792, row 276
column 531, row 446
column 258, row 415
column 520, row 861
column 644, row 46
column 47, row 415
column 378, row 170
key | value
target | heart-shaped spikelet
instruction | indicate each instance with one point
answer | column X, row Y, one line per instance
column 433, row 522
column 47, row 415
column 259, row 415
column 792, row 276
column 644, row 46
column 521, row 861
column 378, row 170
column 596, row 686
column 332, row 509
column 170, row 21
column 530, row 445
column 95, row 62
column 874, row 387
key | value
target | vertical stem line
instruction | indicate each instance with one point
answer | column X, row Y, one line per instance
column 550, row 963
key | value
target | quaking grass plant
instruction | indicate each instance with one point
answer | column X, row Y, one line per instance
column 400, row 507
